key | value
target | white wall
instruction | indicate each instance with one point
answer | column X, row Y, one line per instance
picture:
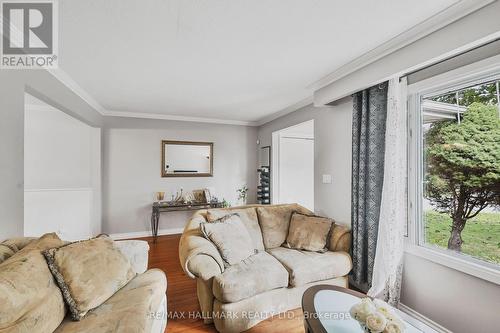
column 460, row 302
column 332, row 154
column 13, row 85
column 132, row 165
column 62, row 162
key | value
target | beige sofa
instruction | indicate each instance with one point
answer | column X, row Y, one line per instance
column 267, row 283
column 140, row 306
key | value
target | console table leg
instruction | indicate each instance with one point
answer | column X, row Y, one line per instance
column 155, row 220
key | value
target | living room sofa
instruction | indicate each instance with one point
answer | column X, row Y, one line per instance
column 269, row 282
column 139, row 306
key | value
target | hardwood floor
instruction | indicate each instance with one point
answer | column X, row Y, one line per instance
column 181, row 294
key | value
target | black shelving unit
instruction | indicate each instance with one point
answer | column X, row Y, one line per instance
column 264, row 187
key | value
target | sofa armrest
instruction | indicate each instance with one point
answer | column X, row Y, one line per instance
column 198, row 256
column 340, row 238
column 136, row 252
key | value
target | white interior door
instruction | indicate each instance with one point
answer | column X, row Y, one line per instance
column 296, row 171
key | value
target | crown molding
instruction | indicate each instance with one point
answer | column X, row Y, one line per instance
column 445, row 17
column 68, row 81
column 110, row 113
column 289, row 109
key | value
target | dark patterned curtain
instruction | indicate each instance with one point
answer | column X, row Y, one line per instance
column 368, row 148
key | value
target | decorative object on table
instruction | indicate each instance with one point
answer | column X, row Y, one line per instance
column 160, row 196
column 376, row 316
column 199, row 196
column 242, row 195
column 208, row 195
column 179, row 197
column 264, row 187
column 225, row 203
column 186, row 159
column 188, row 197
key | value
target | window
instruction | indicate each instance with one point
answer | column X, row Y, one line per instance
column 455, row 172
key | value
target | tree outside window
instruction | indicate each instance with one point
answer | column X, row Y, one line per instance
column 462, row 171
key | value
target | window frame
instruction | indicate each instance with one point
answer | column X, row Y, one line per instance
column 477, row 73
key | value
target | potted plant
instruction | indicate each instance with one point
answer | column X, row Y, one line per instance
column 242, row 195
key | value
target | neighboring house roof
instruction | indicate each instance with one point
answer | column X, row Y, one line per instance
column 436, row 111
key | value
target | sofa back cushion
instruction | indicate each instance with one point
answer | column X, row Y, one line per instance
column 249, row 218
column 88, row 272
column 274, row 221
column 230, row 237
column 30, row 300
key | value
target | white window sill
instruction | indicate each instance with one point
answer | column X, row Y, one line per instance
column 455, row 261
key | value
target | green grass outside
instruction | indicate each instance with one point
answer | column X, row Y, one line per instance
column 481, row 235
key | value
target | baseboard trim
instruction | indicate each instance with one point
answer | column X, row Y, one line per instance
column 427, row 321
column 138, row 234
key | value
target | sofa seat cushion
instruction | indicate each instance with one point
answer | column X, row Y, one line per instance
column 254, row 275
column 249, row 218
column 131, row 309
column 305, row 267
column 275, row 220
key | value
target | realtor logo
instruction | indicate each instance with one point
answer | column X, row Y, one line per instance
column 29, row 34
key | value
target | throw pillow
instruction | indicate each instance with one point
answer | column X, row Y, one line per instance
column 230, row 237
column 30, row 300
column 308, row 232
column 274, row 221
column 88, row 273
column 249, row 218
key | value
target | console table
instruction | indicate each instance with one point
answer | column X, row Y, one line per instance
column 162, row 207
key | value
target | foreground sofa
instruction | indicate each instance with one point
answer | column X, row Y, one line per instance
column 140, row 306
column 272, row 281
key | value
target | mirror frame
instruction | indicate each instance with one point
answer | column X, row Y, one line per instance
column 189, row 143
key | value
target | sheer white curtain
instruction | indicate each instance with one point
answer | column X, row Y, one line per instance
column 388, row 266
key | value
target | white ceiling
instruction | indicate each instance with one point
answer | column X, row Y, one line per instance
column 224, row 59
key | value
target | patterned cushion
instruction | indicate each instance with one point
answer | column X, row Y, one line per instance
column 249, row 218
column 308, row 232
column 305, row 267
column 254, row 275
column 88, row 272
column 30, row 300
column 274, row 222
column 230, row 237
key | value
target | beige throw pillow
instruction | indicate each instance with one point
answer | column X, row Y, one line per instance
column 30, row 300
column 274, row 221
column 230, row 237
column 88, row 273
column 308, row 232
column 249, row 218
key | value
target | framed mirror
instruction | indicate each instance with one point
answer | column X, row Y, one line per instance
column 186, row 159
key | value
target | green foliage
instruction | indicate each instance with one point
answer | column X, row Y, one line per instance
column 483, row 93
column 463, row 162
column 481, row 234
